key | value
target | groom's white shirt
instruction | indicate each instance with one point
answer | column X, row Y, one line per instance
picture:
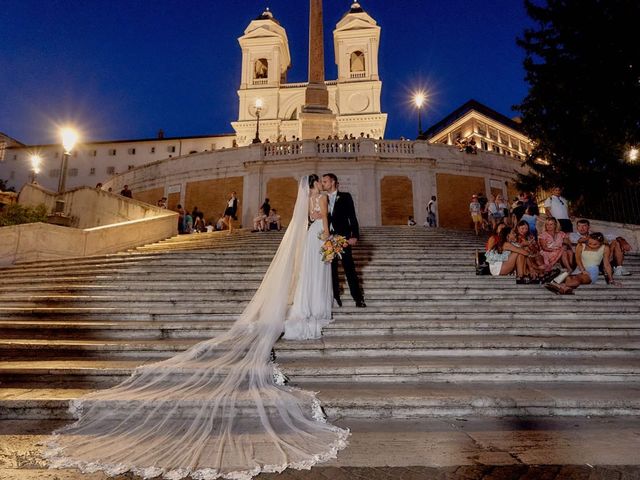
column 332, row 200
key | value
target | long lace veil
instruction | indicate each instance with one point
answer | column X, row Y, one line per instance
column 216, row 410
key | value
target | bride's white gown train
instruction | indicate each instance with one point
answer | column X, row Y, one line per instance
column 311, row 309
column 216, row 410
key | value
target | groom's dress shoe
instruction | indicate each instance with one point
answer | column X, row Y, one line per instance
column 360, row 304
column 338, row 301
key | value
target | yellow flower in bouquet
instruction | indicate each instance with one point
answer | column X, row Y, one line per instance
column 333, row 247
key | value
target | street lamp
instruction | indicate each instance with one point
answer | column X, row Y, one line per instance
column 36, row 160
column 258, row 106
column 633, row 154
column 69, row 139
column 418, row 99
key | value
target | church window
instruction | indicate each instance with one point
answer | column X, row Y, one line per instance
column 482, row 128
column 261, row 68
column 357, row 62
column 485, row 145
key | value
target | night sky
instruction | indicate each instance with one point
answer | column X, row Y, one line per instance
column 122, row 69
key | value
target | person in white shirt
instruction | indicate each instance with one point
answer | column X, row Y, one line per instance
column 558, row 207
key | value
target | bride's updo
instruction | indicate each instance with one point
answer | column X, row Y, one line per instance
column 313, row 178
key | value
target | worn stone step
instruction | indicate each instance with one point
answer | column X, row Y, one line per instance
column 389, row 346
column 207, row 328
column 74, row 371
column 382, row 401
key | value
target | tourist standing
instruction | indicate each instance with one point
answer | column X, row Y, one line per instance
column 476, row 216
column 557, row 206
column 231, row 210
column 432, row 208
column 125, row 192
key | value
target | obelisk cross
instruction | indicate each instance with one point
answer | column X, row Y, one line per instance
column 316, row 96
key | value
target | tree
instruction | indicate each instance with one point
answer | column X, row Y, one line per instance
column 582, row 111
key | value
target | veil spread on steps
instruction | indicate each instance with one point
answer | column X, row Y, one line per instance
column 217, row 410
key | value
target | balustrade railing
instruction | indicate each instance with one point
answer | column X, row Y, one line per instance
column 282, row 149
column 403, row 147
column 338, row 146
column 344, row 147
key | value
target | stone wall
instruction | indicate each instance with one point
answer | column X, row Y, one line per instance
column 282, row 193
column 211, row 197
column 410, row 169
column 396, row 204
column 454, row 196
column 150, row 196
column 89, row 207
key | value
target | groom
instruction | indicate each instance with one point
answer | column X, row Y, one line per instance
column 343, row 221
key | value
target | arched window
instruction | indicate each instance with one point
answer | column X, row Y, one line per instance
column 261, row 68
column 357, row 62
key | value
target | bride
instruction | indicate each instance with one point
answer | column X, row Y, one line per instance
column 220, row 409
column 311, row 309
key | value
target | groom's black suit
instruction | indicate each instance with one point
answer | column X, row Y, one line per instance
column 343, row 222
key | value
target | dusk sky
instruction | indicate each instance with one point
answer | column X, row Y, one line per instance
column 122, row 69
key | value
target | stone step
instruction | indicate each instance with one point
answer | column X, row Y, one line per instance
column 352, row 347
column 101, row 373
column 374, row 297
column 377, row 401
column 189, row 328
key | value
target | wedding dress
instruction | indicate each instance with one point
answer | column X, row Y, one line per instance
column 311, row 309
column 217, row 410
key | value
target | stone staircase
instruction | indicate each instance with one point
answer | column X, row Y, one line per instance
column 435, row 339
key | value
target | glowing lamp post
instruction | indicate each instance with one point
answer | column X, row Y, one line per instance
column 258, row 106
column 419, row 99
column 633, row 155
column 36, row 160
column 69, row 140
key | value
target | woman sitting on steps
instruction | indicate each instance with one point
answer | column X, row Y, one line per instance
column 589, row 255
column 505, row 257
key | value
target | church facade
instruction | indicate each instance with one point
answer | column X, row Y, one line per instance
column 354, row 97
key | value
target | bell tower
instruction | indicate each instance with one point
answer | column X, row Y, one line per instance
column 265, row 62
column 356, row 41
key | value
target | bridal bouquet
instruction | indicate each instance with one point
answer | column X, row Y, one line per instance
column 333, row 247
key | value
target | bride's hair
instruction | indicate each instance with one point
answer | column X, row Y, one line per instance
column 313, row 178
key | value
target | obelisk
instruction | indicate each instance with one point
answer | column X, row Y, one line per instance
column 316, row 119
